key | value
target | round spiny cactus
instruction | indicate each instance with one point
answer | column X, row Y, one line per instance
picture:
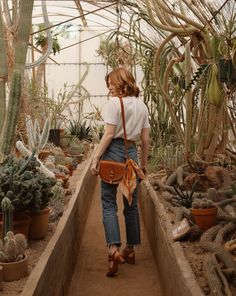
column 11, row 250
column 202, row 203
column 21, row 243
column 13, row 247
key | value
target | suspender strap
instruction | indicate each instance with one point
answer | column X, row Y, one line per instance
column 123, row 122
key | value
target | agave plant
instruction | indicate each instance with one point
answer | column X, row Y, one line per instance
column 80, row 130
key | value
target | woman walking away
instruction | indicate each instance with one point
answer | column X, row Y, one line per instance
column 122, row 86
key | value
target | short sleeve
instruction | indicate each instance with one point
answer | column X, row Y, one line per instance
column 111, row 112
column 146, row 120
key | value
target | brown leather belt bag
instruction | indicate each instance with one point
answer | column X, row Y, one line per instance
column 111, row 171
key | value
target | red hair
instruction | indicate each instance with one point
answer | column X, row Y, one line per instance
column 123, row 81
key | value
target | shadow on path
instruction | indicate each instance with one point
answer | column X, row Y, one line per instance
column 89, row 277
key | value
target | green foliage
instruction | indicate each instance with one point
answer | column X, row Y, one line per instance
column 80, row 130
column 21, row 182
column 183, row 199
column 42, row 41
column 116, row 53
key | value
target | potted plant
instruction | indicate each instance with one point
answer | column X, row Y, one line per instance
column 204, row 213
column 12, row 256
column 12, row 247
column 28, row 189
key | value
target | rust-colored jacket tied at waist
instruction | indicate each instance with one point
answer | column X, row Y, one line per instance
column 129, row 180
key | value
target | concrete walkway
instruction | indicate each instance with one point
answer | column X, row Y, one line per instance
column 89, row 277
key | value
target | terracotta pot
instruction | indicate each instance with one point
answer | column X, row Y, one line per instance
column 44, row 154
column 205, row 218
column 13, row 271
column 70, row 168
column 21, row 223
column 39, row 224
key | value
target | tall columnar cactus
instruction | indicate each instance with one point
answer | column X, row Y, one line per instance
column 21, row 22
column 13, row 247
column 7, row 209
column 36, row 139
column 3, row 74
column 12, row 114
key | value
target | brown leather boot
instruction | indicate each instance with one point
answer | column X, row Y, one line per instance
column 129, row 255
column 113, row 260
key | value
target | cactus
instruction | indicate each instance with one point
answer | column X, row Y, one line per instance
column 21, row 147
column 60, row 159
column 203, row 203
column 36, row 139
column 7, row 209
column 12, row 114
column 76, row 149
column 22, row 21
column 13, row 247
column 26, row 188
column 57, row 201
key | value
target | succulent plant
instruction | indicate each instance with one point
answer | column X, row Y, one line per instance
column 7, row 209
column 203, row 203
column 21, row 182
column 36, row 139
column 13, row 247
column 76, row 149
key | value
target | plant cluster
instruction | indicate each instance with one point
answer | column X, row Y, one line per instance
column 203, row 203
column 80, row 130
column 21, row 182
column 13, row 247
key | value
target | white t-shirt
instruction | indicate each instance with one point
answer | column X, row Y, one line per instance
column 136, row 117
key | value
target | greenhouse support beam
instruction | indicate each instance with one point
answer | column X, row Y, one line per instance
column 73, row 18
column 77, row 2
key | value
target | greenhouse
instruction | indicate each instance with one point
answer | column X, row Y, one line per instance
column 118, row 147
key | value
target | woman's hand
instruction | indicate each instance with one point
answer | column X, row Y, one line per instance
column 94, row 169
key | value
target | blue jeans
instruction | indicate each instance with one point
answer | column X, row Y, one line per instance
column 116, row 151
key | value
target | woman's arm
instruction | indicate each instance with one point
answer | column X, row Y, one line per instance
column 105, row 141
column 144, row 148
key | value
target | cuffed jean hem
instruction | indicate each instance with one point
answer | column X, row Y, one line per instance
column 118, row 244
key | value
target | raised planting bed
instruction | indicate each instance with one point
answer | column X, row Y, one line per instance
column 53, row 272
column 174, row 270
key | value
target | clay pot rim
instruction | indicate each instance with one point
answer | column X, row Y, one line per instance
column 25, row 258
column 203, row 212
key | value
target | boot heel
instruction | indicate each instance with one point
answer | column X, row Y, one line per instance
column 129, row 255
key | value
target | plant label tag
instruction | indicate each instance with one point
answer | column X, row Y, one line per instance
column 180, row 229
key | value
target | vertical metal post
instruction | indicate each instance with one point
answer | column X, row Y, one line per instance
column 80, row 61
